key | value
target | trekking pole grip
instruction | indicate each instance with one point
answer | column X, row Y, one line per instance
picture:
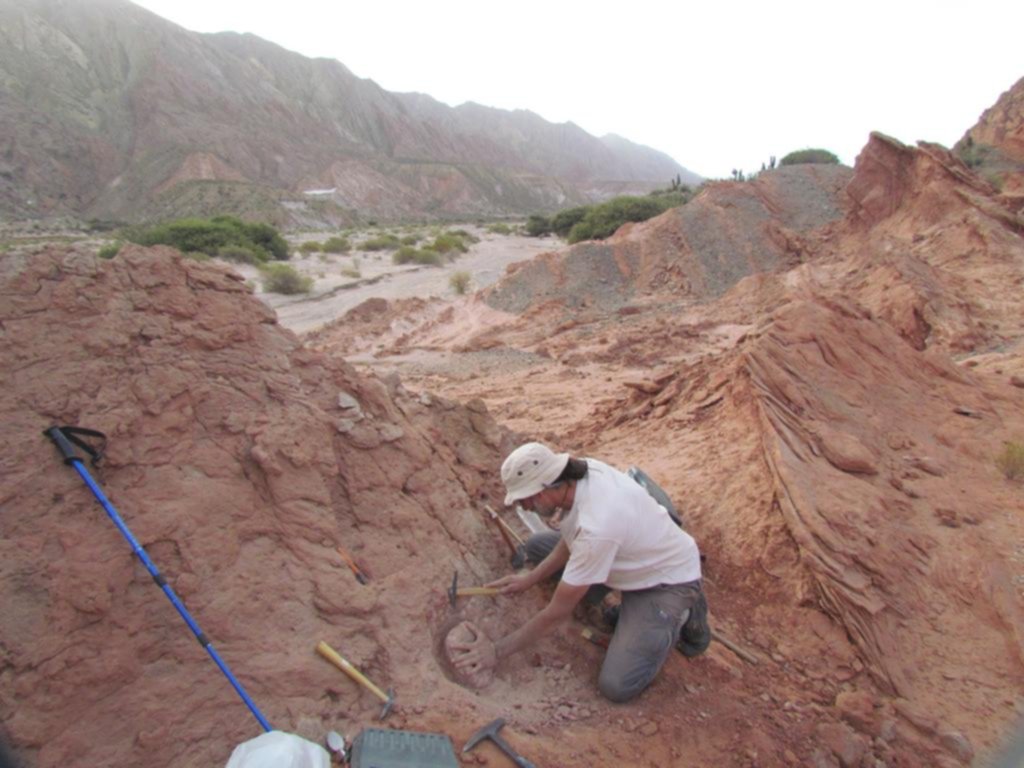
column 63, row 444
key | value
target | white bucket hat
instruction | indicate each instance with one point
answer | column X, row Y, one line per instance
column 529, row 469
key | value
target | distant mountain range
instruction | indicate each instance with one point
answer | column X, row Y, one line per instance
column 109, row 111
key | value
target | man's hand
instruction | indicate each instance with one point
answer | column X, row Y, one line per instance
column 478, row 654
column 515, row 582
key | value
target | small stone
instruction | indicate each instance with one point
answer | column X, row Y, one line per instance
column 1017, row 381
column 390, row 432
column 887, row 730
column 927, row 464
column 857, row 708
column 845, row 743
column 970, row 413
column 958, row 744
column 649, row 728
column 346, row 402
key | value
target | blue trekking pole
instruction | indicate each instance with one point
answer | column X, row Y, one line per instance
column 63, row 437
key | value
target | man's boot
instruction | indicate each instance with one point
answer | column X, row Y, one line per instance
column 695, row 636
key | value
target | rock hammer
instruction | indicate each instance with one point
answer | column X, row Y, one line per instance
column 490, row 731
column 454, row 591
column 335, row 658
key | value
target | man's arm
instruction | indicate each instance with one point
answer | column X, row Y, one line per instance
column 555, row 612
column 549, row 566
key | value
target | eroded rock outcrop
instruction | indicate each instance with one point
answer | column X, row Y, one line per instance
column 240, row 460
column 700, row 250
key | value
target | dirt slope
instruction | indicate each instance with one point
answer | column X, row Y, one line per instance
column 239, row 460
column 820, row 370
column 829, row 427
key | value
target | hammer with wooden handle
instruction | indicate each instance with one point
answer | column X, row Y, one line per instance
column 335, row 658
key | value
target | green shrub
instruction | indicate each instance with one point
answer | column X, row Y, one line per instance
column 241, row 254
column 381, row 243
column 210, row 235
column 467, row 237
column 602, row 220
column 404, row 255
column 538, row 226
column 336, row 245
column 563, row 221
column 805, row 156
column 429, row 257
column 449, row 242
column 310, row 246
column 351, row 272
column 498, row 228
column 1011, row 461
column 459, row 281
column 111, row 250
column 410, row 240
column 282, row 278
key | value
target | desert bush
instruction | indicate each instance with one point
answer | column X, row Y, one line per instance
column 336, row 245
column 410, row 240
column 110, row 250
column 467, row 237
column 1011, row 461
column 563, row 221
column 241, row 254
column 602, row 220
column 282, row 278
column 805, row 156
column 538, row 226
column 404, row 255
column 381, row 243
column 310, row 246
column 210, row 235
column 459, row 281
column 429, row 257
column 499, row 228
column 351, row 272
column 449, row 242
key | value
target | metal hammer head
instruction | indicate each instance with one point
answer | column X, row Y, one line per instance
column 453, row 592
column 489, row 731
column 386, row 709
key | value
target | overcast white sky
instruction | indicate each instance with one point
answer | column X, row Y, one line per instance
column 719, row 84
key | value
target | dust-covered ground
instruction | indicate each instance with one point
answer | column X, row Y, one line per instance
column 335, row 292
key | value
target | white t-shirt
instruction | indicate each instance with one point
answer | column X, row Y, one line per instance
column 619, row 535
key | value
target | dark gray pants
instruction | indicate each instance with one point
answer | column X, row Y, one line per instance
column 646, row 632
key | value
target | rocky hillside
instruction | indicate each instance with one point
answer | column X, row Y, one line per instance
column 823, row 377
column 995, row 146
column 110, row 111
column 240, row 461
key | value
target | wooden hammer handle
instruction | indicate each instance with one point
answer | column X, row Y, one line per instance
column 335, row 658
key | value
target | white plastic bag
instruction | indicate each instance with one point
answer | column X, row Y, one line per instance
column 276, row 749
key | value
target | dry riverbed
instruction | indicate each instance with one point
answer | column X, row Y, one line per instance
column 337, row 288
